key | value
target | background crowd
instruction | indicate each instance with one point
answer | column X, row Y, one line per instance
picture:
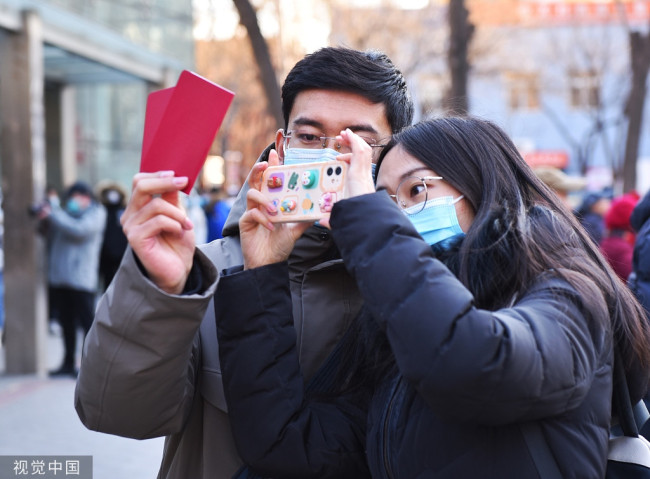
column 614, row 222
column 84, row 247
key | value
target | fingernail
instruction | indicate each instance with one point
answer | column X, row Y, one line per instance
column 188, row 225
column 166, row 174
column 180, row 181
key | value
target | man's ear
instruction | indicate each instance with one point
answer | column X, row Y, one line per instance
column 279, row 144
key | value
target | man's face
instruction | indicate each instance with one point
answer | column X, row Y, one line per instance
column 327, row 113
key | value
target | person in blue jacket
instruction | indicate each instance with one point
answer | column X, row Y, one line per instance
column 489, row 313
column 216, row 212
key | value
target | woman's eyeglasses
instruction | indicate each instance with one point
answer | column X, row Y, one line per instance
column 414, row 190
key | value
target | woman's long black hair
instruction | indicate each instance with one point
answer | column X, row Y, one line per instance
column 521, row 230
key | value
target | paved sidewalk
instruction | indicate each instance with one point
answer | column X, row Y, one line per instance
column 37, row 417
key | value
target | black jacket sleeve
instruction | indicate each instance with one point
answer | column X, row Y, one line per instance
column 278, row 431
column 535, row 359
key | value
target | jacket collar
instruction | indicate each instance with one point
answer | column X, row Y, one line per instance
column 231, row 227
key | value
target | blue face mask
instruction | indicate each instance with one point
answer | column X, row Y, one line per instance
column 73, row 207
column 437, row 222
column 299, row 156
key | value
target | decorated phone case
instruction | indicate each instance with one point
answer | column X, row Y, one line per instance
column 304, row 192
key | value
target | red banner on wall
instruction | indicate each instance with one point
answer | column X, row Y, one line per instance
column 583, row 12
column 558, row 159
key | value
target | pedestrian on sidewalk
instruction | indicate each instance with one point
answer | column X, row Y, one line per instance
column 76, row 230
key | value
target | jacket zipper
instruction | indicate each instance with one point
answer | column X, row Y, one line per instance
column 387, row 468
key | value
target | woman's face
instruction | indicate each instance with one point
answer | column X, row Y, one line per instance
column 398, row 165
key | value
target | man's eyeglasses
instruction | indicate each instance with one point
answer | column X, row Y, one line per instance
column 414, row 190
column 310, row 140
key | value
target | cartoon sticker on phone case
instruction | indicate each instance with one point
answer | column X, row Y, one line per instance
column 309, row 179
column 332, row 178
column 275, row 202
column 293, row 181
column 289, row 205
column 275, row 182
column 307, row 204
column 326, row 202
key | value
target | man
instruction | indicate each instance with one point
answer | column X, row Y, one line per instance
column 76, row 229
column 151, row 362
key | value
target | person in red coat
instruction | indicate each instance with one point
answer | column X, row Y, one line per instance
column 618, row 243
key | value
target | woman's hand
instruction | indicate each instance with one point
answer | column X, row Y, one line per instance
column 359, row 179
column 262, row 241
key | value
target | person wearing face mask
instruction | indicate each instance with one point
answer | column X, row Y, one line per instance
column 75, row 229
column 488, row 313
column 114, row 242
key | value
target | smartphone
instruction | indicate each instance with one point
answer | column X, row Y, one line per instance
column 304, row 192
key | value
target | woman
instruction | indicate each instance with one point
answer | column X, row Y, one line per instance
column 502, row 321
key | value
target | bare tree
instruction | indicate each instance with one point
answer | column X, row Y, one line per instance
column 411, row 38
column 414, row 39
column 461, row 31
column 586, row 64
column 248, row 127
column 248, row 18
column 639, row 65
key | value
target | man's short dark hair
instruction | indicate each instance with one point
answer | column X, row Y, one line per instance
column 370, row 74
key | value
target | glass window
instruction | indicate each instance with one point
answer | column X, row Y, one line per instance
column 523, row 90
column 584, row 89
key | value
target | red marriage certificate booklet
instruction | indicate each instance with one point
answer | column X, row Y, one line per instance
column 180, row 125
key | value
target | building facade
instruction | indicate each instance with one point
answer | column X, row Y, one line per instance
column 556, row 75
column 74, row 78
